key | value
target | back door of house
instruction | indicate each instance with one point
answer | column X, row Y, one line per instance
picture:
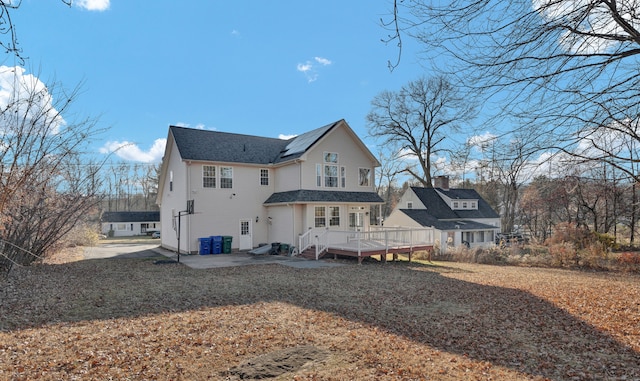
column 246, row 241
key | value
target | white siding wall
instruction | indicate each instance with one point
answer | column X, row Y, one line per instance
column 173, row 200
column 281, row 227
column 137, row 228
column 350, row 156
column 410, row 196
column 219, row 210
column 287, row 178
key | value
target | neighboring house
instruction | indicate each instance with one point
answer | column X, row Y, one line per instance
column 459, row 216
column 263, row 190
column 120, row 224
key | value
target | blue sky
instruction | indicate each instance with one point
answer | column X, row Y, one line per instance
column 267, row 68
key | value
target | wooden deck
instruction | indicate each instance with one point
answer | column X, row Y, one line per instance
column 362, row 244
column 370, row 248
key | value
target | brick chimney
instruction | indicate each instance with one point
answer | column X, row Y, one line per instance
column 441, row 182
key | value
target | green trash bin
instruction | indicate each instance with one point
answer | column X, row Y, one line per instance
column 226, row 244
column 284, row 248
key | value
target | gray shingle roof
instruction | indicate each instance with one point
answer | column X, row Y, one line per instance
column 305, row 196
column 143, row 216
column 439, row 209
column 204, row 145
column 423, row 217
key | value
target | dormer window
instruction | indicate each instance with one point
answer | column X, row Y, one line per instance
column 473, row 205
column 456, row 205
column 464, row 205
column 409, row 205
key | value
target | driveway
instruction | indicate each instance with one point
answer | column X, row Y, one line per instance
column 121, row 250
column 130, row 250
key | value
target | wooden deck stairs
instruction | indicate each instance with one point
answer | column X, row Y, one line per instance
column 310, row 253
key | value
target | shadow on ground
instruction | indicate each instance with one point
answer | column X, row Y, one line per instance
column 503, row 326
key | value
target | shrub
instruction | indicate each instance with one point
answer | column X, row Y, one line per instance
column 594, row 256
column 629, row 261
column 607, row 240
column 563, row 254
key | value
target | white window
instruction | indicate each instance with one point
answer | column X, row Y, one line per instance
column 473, row 205
column 318, row 175
column 208, row 176
column 264, row 177
column 464, row 205
column 226, row 177
column 331, row 176
column 320, row 217
column 330, row 157
column 409, row 205
column 334, row 216
column 364, row 179
column 121, row 227
column 456, row 205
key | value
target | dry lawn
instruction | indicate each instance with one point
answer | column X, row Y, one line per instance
column 131, row 319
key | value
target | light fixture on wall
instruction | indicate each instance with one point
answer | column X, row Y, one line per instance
column 257, row 219
column 232, row 195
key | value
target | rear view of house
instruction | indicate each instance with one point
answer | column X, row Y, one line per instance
column 263, row 190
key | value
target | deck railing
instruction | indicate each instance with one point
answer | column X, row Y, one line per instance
column 378, row 238
column 317, row 238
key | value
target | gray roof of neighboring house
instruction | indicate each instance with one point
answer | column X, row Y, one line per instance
column 143, row 216
column 439, row 215
column 422, row 217
column 204, row 145
column 305, row 196
column 439, row 209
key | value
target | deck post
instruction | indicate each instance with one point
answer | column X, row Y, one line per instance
column 359, row 248
column 317, row 245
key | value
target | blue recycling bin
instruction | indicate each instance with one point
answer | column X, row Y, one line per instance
column 216, row 244
column 205, row 245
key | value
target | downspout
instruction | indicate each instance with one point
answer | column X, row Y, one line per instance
column 188, row 189
column 293, row 225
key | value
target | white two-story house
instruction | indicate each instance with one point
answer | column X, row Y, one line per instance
column 458, row 216
column 263, row 190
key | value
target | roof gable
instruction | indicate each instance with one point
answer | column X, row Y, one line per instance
column 439, row 209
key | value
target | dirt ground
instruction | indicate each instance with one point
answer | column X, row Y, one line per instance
column 131, row 319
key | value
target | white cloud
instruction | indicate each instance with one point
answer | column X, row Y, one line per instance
column 132, row 152
column 595, row 24
column 286, row 137
column 199, row 126
column 482, row 142
column 322, row 61
column 308, row 68
column 93, row 5
column 27, row 96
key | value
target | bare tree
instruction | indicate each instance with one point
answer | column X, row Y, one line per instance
column 417, row 119
column 568, row 70
column 387, row 175
column 47, row 184
column 8, row 33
